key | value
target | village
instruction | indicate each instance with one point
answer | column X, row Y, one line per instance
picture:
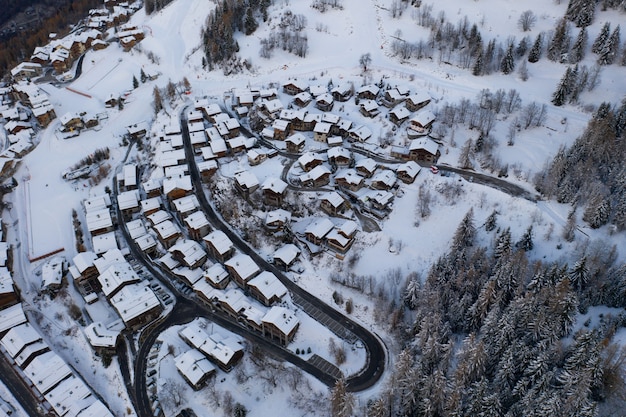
column 271, row 148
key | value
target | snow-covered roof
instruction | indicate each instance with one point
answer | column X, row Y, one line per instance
column 287, row 253
column 190, row 250
column 275, row 185
column 322, row 128
column 423, row 118
column 136, row 228
column 11, row 317
column 400, row 112
column 52, row 272
column 180, row 183
column 128, row 200
column 369, row 88
column 166, row 229
column 18, row 337
column 316, row 173
column 367, row 164
column 308, row 157
column 318, row 89
column 98, row 219
column 107, row 259
column 196, row 220
column 419, row 97
column 361, row 132
column 194, row 366
column 279, row 215
column 145, row 242
column 333, row 198
column 319, row 227
column 99, row 336
column 338, row 152
column 411, row 168
column 70, row 396
column 283, row 319
column 243, row 265
column 130, row 175
column 219, row 241
column 104, row 242
column 216, row 274
column 424, row 143
column 84, row 260
column 348, row 228
column 268, row 285
column 159, row 216
column 133, row 301
column 386, row 176
column 97, row 203
column 186, row 204
column 47, row 370
column 116, row 276
column 296, row 139
column 246, row 179
column 280, row 125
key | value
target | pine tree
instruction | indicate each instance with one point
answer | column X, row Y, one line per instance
column 491, row 222
column 142, row 76
column 579, row 274
column 507, row 65
column 465, row 232
column 560, row 95
column 601, row 39
column 597, row 212
column 250, row 23
column 535, row 52
column 157, row 100
column 526, row 242
column 465, row 158
column 477, row 69
column 559, row 45
column 135, row 82
column 502, row 247
column 581, row 12
column 609, row 50
column 577, row 53
column 341, row 401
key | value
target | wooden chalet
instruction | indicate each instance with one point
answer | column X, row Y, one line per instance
column 274, row 191
column 332, row 203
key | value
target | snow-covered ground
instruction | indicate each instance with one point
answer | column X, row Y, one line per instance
column 43, row 201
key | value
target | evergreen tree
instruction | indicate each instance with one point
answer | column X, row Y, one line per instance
column 522, row 47
column 491, row 221
column 142, row 76
column 601, row 39
column 477, row 69
column 250, row 24
column 170, row 91
column 507, row 65
column 465, row 158
column 581, row 12
column 597, row 212
column 135, row 82
column 559, row 45
column 465, row 232
column 502, row 246
column 157, row 100
column 526, row 242
column 535, row 52
column 577, row 53
column 560, row 95
column 341, row 401
column 609, row 50
column 620, row 120
column 579, row 274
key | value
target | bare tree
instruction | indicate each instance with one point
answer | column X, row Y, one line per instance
column 365, row 61
column 527, row 20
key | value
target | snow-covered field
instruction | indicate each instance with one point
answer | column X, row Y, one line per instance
column 407, row 243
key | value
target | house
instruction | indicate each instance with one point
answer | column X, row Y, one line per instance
column 84, row 272
column 332, row 203
column 302, row 99
column 317, row 177
column 99, row 221
column 378, row 199
column 194, row 367
column 218, row 148
column 384, row 180
column 71, row 122
column 424, row 150
column 273, row 191
column 219, row 245
column 26, row 70
column 136, row 304
column 399, row 115
column 310, row 160
column 416, row 101
column 286, row 256
column 340, row 239
column 342, row 128
column 116, row 277
column 317, row 230
column 137, row 130
column 150, row 205
column 224, row 351
column 217, row 276
column 368, row 92
column 242, row 269
column 44, row 114
column 366, row 167
column 349, row 179
column 246, row 182
column 197, row 225
column 295, row 143
column 104, row 242
column 271, row 108
column 360, row 133
column 342, row 92
column 147, row 244
column 421, row 124
column 339, row 156
column 177, row 187
column 393, row 97
column 129, row 177
column 102, row 339
column 293, row 87
column 206, row 169
column 158, row 217
column 309, row 121
column 407, row 172
column 325, row 102
column 188, row 253
column 277, row 219
column 11, row 317
column 8, row 296
column 369, row 108
column 128, row 203
column 152, row 187
column 256, row 156
column 281, row 129
column 295, row 118
column 267, row 288
column 185, row 206
column 334, row 141
column 167, row 233
column 321, row 131
column 318, row 89
column 18, row 338
column 280, row 324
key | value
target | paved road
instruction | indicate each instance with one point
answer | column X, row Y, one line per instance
column 376, row 355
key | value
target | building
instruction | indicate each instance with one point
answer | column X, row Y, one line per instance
column 267, row 288
column 277, row 220
column 280, row 324
column 217, row 276
column 318, row 229
column 339, row 157
column 220, row 247
column 136, row 304
column 317, row 177
column 384, row 180
column 188, row 253
column 416, row 101
column 194, row 367
column 420, row 124
column 366, row 167
column 197, row 225
column 332, row 203
column 242, row 269
column 274, row 191
column 295, row 143
column 310, row 160
column 407, row 172
column 286, row 256
column 349, row 179
column 424, row 150
column 246, row 183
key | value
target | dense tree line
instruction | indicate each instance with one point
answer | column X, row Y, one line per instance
column 289, row 36
column 491, row 334
column 591, row 172
column 20, row 47
column 229, row 17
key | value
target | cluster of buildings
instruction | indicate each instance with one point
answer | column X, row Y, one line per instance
column 57, row 385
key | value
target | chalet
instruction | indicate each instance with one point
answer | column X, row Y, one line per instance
column 207, row 169
column 293, row 87
column 8, row 295
column 167, row 233
column 40, row 56
column 15, row 126
column 318, row 90
column 416, row 101
column 273, row 191
column 246, row 183
column 102, row 339
column 128, row 202
column 115, row 277
column 219, row 245
column 321, row 131
column 281, row 129
column 129, row 177
column 392, row 97
column 338, row 241
column 334, row 141
column 332, row 119
column 342, row 128
column 44, row 114
column 99, row 221
column 177, row 187
column 369, row 108
column 339, row 157
column 84, row 272
column 310, row 160
column 408, row 171
column 150, row 205
column 147, row 244
column 209, row 110
column 104, row 242
column 317, row 230
column 98, row 45
column 217, row 276
column 158, row 217
column 302, row 99
column 196, row 139
column 360, row 133
column 383, row 180
column 399, row 115
column 11, row 317
column 152, row 187
column 195, row 368
column 267, row 288
column 256, row 156
column 325, row 102
column 378, row 199
column 424, row 150
column 136, row 228
column 317, row 177
column 342, row 92
column 136, row 304
column 61, row 60
column 230, row 126
column 71, row 122
column 137, row 130
column 278, row 219
column 197, row 225
column 225, row 352
column 332, row 203
column 366, row 167
column 286, row 256
column 218, row 147
column 268, row 93
column 18, row 338
column 271, row 108
column 309, row 121
column 244, row 98
column 188, row 253
column 368, row 92
column 280, row 324
column 421, row 124
column 242, row 269
column 185, row 206
column 295, row 118
column 195, row 116
column 295, row 143
column 349, row 179
column 26, row 70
